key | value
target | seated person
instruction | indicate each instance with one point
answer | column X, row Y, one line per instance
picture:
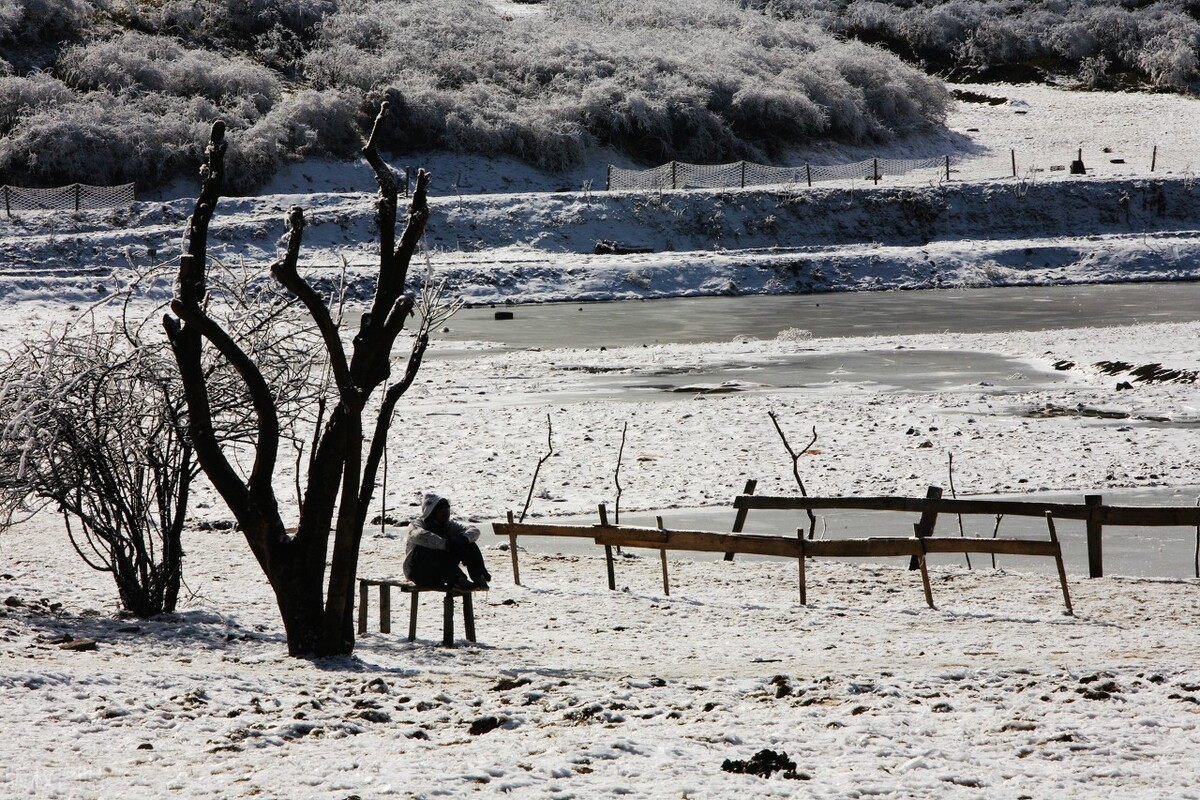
column 437, row 545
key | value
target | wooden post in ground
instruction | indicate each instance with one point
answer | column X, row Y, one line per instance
column 674, row 174
column 877, row 172
column 1013, row 154
column 924, row 527
column 608, row 556
column 608, row 179
column 808, row 171
column 663, row 553
column 739, row 521
column 1153, row 158
column 947, row 167
column 512, row 551
column 1058, row 559
column 7, row 202
column 743, row 174
column 1095, row 535
column 78, row 195
column 925, row 573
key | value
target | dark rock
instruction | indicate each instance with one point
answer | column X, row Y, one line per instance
column 484, row 725
column 607, row 247
column 79, row 645
column 764, row 764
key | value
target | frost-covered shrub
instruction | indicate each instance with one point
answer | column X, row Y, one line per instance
column 309, row 123
column 24, row 95
column 1149, row 39
column 33, row 22
column 158, row 64
column 1169, row 61
column 232, row 23
column 103, row 138
column 549, row 85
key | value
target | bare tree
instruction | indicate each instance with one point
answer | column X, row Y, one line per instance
column 93, row 421
column 316, row 608
column 94, row 424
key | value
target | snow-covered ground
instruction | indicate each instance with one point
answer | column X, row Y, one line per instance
column 576, row 691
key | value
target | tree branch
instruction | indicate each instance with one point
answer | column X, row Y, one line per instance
column 542, row 460
column 812, row 518
column 260, row 394
column 285, row 272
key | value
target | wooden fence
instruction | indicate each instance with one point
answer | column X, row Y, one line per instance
column 1092, row 511
column 799, row 548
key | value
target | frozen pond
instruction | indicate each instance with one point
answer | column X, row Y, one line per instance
column 720, row 319
column 1128, row 551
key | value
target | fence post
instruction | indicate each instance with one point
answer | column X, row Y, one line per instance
column 947, row 167
column 1153, row 158
column 924, row 527
column 7, row 203
column 743, row 174
column 1013, row 153
column 1095, row 535
column 674, row 170
column 877, row 172
column 78, row 193
column 808, row 171
column 608, row 179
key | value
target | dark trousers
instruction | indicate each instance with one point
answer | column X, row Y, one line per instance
column 440, row 567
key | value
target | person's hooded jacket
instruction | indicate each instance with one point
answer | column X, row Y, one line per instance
column 421, row 532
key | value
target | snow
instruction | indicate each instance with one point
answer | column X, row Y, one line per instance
column 996, row 693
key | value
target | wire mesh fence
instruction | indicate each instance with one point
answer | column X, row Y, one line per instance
column 1008, row 164
column 75, row 197
column 679, row 175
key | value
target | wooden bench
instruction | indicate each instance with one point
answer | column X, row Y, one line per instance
column 385, row 608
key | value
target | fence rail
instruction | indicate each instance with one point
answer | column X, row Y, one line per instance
column 1092, row 511
column 75, row 197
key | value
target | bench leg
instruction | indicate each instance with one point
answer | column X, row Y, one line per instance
column 363, row 594
column 385, row 608
column 469, row 617
column 448, row 620
column 412, row 617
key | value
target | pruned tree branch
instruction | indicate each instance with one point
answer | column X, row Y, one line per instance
column 617, row 476
column 812, row 518
column 285, row 271
column 542, row 460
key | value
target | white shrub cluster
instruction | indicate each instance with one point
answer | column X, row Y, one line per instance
column 121, row 90
column 701, row 80
column 1155, row 41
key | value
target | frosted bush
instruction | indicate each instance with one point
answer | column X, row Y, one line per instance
column 28, row 22
column 20, row 96
column 1169, row 62
column 157, row 64
column 100, row 139
column 548, row 86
